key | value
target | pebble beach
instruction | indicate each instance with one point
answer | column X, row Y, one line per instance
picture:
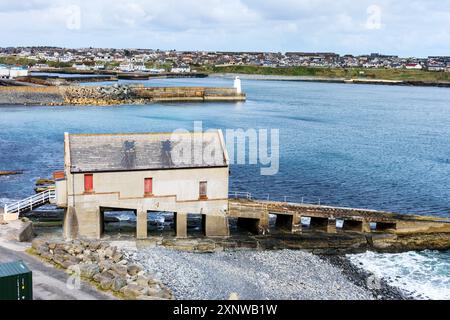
column 249, row 275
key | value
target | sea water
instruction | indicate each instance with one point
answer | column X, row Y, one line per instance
column 364, row 146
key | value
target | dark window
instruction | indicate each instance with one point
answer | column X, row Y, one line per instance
column 203, row 190
column 88, row 183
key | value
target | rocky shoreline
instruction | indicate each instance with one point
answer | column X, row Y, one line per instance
column 103, row 265
column 139, row 271
column 112, row 95
column 380, row 289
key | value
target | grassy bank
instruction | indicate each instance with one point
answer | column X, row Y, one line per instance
column 350, row 73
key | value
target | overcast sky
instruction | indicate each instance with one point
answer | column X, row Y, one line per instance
column 403, row 27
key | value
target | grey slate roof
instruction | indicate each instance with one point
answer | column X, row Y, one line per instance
column 147, row 151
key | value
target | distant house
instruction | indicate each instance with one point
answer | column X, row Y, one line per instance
column 183, row 173
column 437, row 67
column 413, row 66
column 126, row 67
column 11, row 72
column 80, row 67
column 180, row 69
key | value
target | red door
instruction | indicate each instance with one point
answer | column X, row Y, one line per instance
column 203, row 190
column 88, row 183
column 148, row 186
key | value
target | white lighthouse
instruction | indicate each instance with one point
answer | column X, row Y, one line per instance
column 237, row 85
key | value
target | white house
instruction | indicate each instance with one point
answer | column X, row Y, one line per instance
column 80, row 67
column 413, row 66
column 181, row 69
column 11, row 72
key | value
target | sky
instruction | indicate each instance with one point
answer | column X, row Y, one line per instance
column 403, row 27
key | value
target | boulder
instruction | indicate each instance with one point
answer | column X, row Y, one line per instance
column 142, row 280
column 134, row 269
column 25, row 233
column 117, row 257
column 105, row 265
column 106, row 283
column 47, row 256
column 95, row 245
column 59, row 259
column 77, row 248
column 120, row 270
column 132, row 291
column 110, row 251
column 118, row 283
column 89, row 270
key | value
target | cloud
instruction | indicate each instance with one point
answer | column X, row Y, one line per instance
column 403, row 27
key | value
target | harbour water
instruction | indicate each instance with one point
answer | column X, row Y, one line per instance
column 364, row 146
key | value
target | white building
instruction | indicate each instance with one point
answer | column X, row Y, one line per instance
column 413, row 66
column 181, row 69
column 80, row 67
column 11, row 72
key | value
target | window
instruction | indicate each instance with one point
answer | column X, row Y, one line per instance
column 148, row 186
column 203, row 190
column 88, row 183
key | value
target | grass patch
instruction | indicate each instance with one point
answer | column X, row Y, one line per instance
column 345, row 73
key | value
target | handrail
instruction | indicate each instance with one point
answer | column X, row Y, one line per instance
column 240, row 195
column 286, row 199
column 30, row 202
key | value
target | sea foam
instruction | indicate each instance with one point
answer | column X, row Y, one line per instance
column 423, row 275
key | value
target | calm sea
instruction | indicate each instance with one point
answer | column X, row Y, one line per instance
column 365, row 146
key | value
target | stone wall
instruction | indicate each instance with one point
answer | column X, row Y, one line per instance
column 112, row 95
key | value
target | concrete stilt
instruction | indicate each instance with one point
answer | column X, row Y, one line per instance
column 181, row 224
column 141, row 225
column 70, row 224
column 366, row 226
column 296, row 223
column 331, row 226
column 216, row 225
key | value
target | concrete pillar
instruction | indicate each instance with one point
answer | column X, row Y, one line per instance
column 88, row 222
column 216, row 225
column 297, row 223
column 331, row 226
column 70, row 224
column 264, row 222
column 366, row 226
column 141, row 225
column 181, row 224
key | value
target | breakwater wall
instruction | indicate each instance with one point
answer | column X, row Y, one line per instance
column 113, row 95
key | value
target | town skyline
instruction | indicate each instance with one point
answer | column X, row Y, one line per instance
column 196, row 50
column 404, row 28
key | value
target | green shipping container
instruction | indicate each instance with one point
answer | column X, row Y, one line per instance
column 16, row 282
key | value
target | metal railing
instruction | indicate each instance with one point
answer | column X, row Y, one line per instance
column 29, row 203
column 285, row 199
column 240, row 195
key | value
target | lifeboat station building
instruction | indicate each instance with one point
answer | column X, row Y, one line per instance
column 184, row 173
